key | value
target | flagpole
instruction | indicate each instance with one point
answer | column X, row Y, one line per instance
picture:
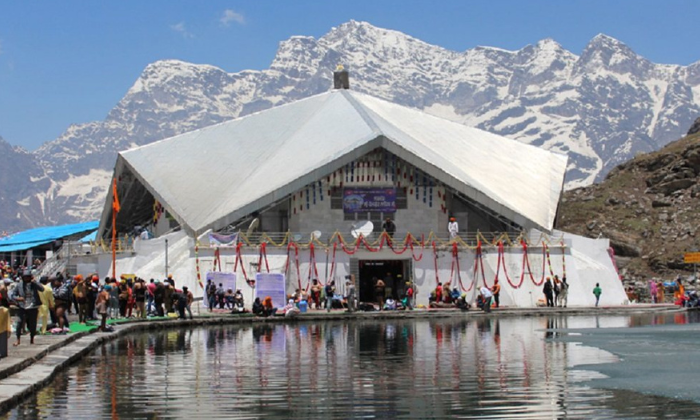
column 115, row 209
column 114, row 244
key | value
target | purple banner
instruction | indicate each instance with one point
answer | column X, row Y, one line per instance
column 356, row 200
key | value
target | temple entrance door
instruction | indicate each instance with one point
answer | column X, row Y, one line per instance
column 392, row 272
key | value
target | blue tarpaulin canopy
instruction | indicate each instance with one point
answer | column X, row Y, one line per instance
column 34, row 237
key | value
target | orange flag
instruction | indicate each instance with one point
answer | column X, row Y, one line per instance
column 115, row 198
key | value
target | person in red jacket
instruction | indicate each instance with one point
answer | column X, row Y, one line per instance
column 496, row 290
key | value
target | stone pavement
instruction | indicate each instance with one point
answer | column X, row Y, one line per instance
column 30, row 367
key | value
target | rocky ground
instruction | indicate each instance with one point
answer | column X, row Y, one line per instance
column 649, row 207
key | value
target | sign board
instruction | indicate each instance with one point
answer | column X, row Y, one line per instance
column 691, row 258
column 357, row 200
column 273, row 285
column 227, row 281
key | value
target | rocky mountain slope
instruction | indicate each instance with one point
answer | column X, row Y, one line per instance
column 649, row 207
column 601, row 107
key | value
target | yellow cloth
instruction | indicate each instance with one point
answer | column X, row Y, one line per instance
column 47, row 302
column 5, row 325
column 46, row 297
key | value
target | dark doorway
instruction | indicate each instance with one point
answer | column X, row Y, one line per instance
column 392, row 272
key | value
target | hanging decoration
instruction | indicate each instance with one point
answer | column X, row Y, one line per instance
column 239, row 258
column 435, row 260
column 196, row 264
column 263, row 256
column 502, row 262
column 455, row 264
column 549, row 262
column 430, row 199
column 158, row 211
column 313, row 269
column 217, row 259
column 479, row 265
column 330, row 274
column 527, row 263
column 563, row 259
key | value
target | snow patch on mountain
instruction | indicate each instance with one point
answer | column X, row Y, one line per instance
column 600, row 107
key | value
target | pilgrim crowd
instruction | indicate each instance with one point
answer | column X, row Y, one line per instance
column 41, row 305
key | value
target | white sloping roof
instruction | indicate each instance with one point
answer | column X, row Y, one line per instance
column 212, row 177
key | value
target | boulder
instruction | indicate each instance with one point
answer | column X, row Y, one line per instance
column 695, row 128
column 660, row 162
column 667, row 188
column 624, row 244
column 657, row 203
column 612, row 201
column 692, row 159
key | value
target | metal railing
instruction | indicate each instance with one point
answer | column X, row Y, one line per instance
column 61, row 258
column 327, row 239
column 464, row 239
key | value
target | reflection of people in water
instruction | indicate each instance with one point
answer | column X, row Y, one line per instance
column 550, row 325
column 263, row 331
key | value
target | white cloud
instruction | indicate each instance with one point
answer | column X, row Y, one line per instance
column 231, row 16
column 182, row 30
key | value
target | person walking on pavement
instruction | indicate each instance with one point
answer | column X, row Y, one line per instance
column 26, row 297
column 597, row 291
column 330, row 291
column 564, row 293
column 47, row 303
column 350, row 290
column 496, row 290
column 547, row 289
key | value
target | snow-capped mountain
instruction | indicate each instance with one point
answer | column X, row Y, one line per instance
column 601, row 107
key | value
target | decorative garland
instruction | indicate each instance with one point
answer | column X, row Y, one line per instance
column 479, row 262
column 455, row 262
column 217, row 259
column 502, row 261
column 312, row 265
column 251, row 282
column 378, row 245
column 196, row 263
column 435, row 258
column 549, row 262
column 330, row 275
column 563, row 259
column 529, row 270
column 263, row 255
column 296, row 259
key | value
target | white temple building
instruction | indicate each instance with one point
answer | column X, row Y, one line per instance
column 303, row 189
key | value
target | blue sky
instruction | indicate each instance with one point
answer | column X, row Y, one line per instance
column 71, row 61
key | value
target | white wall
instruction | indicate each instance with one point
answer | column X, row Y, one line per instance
column 587, row 263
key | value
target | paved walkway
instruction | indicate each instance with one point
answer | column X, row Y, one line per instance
column 29, row 367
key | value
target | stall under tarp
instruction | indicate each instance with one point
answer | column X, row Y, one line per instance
column 212, row 177
column 31, row 238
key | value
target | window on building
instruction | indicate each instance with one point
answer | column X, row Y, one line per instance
column 337, row 198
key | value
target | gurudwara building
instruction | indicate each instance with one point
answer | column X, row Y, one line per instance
column 305, row 189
